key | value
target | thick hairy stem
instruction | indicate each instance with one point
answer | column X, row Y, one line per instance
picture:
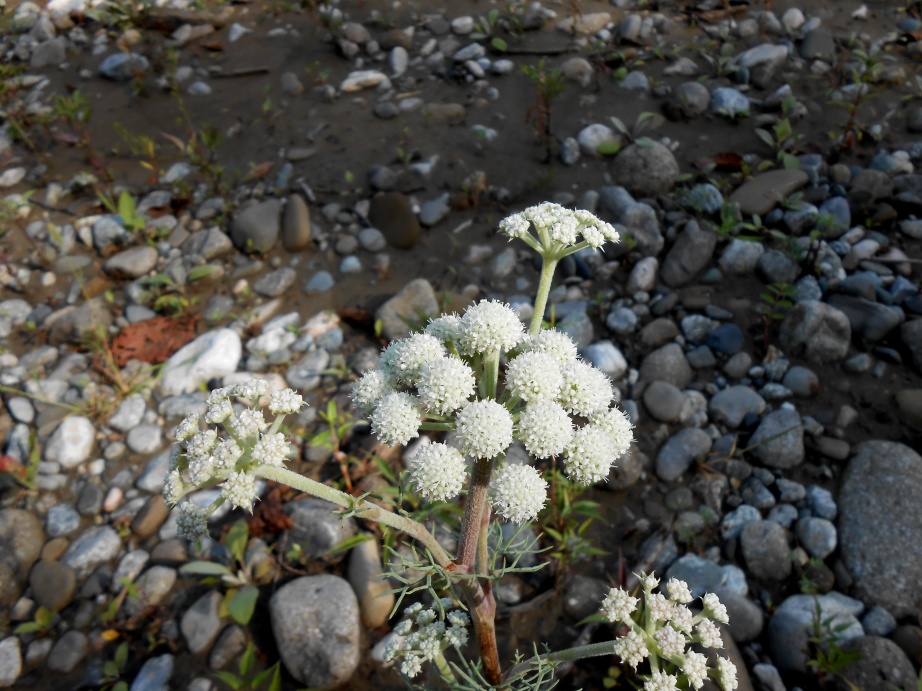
column 583, row 651
column 473, row 511
column 362, row 508
column 544, row 288
column 483, row 612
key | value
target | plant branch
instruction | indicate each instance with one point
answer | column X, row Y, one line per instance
column 548, row 267
column 568, row 655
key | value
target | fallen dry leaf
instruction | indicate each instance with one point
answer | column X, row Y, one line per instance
column 153, row 340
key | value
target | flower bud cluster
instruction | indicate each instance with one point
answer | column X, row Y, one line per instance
column 558, row 228
column 663, row 627
column 200, row 458
column 436, row 629
column 548, row 399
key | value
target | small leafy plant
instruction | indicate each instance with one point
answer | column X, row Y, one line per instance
column 247, row 679
column 829, row 658
column 549, row 86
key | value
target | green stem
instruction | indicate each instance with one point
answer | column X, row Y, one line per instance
column 544, row 288
column 491, row 373
column 362, row 508
column 437, row 426
column 568, row 655
column 444, row 669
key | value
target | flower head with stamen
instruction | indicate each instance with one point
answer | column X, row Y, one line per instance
column 285, row 402
column 191, row 523
column 534, row 376
column 586, row 390
column 251, row 390
column 544, row 428
column 726, row 674
column 186, row 429
column 631, row 649
column 714, row 608
column 551, row 342
column 484, row 429
column 239, row 490
column 439, row 472
column 709, row 634
column 678, row 591
column 518, row 492
column 589, row 455
column 416, row 352
column 445, row 385
column 226, row 454
column 617, row 426
column 368, row 391
column 219, row 412
column 619, row 605
column 247, row 424
column 695, row 667
column 660, row 681
column 271, row 450
column 490, row 326
column 396, row 420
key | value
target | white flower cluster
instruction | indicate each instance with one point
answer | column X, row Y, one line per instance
column 201, row 458
column 665, row 627
column 552, row 402
column 558, row 227
column 437, row 628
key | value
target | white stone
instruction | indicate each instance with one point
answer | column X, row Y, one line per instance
column 364, row 79
column 211, row 355
column 605, row 356
column 10, row 661
column 72, row 442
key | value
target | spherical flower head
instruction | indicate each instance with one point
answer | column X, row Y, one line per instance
column 660, row 681
column 489, row 326
column 191, row 522
column 671, row 643
column 173, row 487
column 594, row 230
column 285, row 402
column 678, row 591
column 425, row 617
column 404, row 627
column 247, row 424
column 544, row 428
column 695, row 667
column 709, row 634
column 682, row 619
column 446, row 328
column 619, row 605
column 387, row 362
column 219, row 412
column 659, row 607
column 515, row 226
column 411, row 666
column 416, row 352
column 393, row 646
column 226, row 454
column 186, row 429
column 368, row 391
column 556, row 221
column 458, row 618
column 715, row 609
column 551, row 342
column 534, row 377
column 271, row 450
column 617, row 426
column 445, row 385
column 251, row 390
column 239, row 490
column 517, row 492
column 631, row 649
column 456, row 636
column 589, row 456
column 439, row 472
column 396, row 419
column 585, row 389
column 726, row 674
column 484, row 429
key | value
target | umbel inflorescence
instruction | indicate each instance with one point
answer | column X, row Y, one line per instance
column 548, row 399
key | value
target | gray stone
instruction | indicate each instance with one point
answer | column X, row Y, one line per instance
column 729, row 102
column 315, row 620
column 690, row 254
column 393, row 215
column 52, row 584
column 667, row 364
column 909, row 406
column 73, row 324
column 818, row 45
column 663, row 401
column 577, row 70
column 817, row 535
column 201, row 623
column 256, row 228
column 154, row 585
column 435, row 210
column 210, row 244
column 760, row 194
column 877, row 621
column 870, row 321
column 129, row 413
column 648, row 168
column 129, row 567
column 622, row 320
column 746, row 618
column 643, row 276
column 680, row 451
column 131, row 263
column 883, row 479
column 593, row 136
column 415, row 299
column 72, row 442
column 769, row 55
column 372, row 240
column 821, row 503
column 229, row 646
column 21, row 409
column 802, row 381
column 122, row 67
column 911, row 333
column 49, row 53
column 815, row 331
column 305, row 375
column 869, row 186
column 275, row 283
column 212, row 355
column 693, row 99
column 777, row 267
column 734, row 522
column 316, row 528
column 108, row 233
column 768, row 676
column 578, row 326
column 729, row 406
column 635, row 81
column 320, row 282
column 151, row 479
column 296, row 224
column 880, row 664
column 97, row 545
column 778, row 442
column 583, row 596
column 10, row 661
column 701, row 575
column 154, row 674
column 765, row 549
column 703, row 198
column 62, row 519
column 68, row 652
column 740, row 257
column 144, row 439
